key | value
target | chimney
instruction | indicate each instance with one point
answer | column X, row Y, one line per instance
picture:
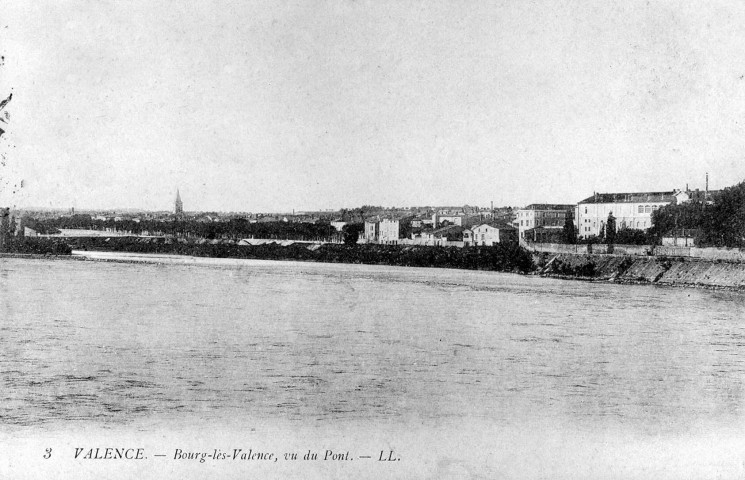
column 706, row 194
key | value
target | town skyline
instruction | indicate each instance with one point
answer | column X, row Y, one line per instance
column 266, row 107
column 195, row 209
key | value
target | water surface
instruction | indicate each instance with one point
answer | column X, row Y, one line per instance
column 237, row 342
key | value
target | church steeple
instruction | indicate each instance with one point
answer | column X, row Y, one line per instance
column 179, row 206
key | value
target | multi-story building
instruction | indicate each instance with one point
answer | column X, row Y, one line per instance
column 631, row 210
column 372, row 230
column 385, row 231
column 541, row 215
column 389, row 231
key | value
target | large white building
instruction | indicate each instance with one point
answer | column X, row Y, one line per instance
column 631, row 210
column 386, row 231
column 389, row 231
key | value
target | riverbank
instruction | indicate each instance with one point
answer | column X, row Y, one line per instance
column 501, row 258
column 624, row 269
column 658, row 270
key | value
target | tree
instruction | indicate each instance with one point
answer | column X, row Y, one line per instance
column 569, row 232
column 668, row 219
column 630, row 236
column 351, row 232
column 610, row 229
column 723, row 223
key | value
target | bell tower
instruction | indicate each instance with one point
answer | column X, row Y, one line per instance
column 178, row 208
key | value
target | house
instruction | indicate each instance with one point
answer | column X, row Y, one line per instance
column 541, row 215
column 460, row 219
column 686, row 196
column 372, row 230
column 631, row 210
column 389, row 231
column 468, row 237
column 338, row 225
column 487, row 234
column 439, row 219
column 385, row 231
column 448, row 236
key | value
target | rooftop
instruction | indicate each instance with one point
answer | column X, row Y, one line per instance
column 549, row 206
column 636, row 197
column 496, row 224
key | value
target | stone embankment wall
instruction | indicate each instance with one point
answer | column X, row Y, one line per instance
column 648, row 269
column 725, row 254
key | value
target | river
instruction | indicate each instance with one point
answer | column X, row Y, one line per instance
column 469, row 374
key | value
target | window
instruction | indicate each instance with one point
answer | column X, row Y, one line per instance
column 647, row 209
column 641, row 208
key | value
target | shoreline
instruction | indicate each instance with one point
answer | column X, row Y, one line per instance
column 645, row 270
column 614, row 272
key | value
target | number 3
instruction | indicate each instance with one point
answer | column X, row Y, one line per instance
column 49, row 453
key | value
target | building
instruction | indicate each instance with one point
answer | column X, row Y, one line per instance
column 701, row 196
column 178, row 208
column 631, row 210
column 439, row 219
column 541, row 215
column 683, row 237
column 389, row 230
column 372, row 230
column 467, row 237
column 451, row 235
column 460, row 219
column 487, row 234
column 544, row 235
column 338, row 225
column 4, row 228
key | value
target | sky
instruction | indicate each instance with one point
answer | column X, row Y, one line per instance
column 280, row 105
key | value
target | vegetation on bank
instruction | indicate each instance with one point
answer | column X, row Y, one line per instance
column 509, row 258
column 235, row 228
column 719, row 224
column 36, row 246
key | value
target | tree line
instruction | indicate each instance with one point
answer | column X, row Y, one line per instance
column 234, row 229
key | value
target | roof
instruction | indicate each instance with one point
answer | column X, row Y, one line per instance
column 549, row 206
column 389, row 217
column 496, row 224
column 545, row 229
column 700, row 195
column 636, row 197
column 443, row 230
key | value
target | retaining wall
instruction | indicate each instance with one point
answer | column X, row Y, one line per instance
column 648, row 269
column 713, row 254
